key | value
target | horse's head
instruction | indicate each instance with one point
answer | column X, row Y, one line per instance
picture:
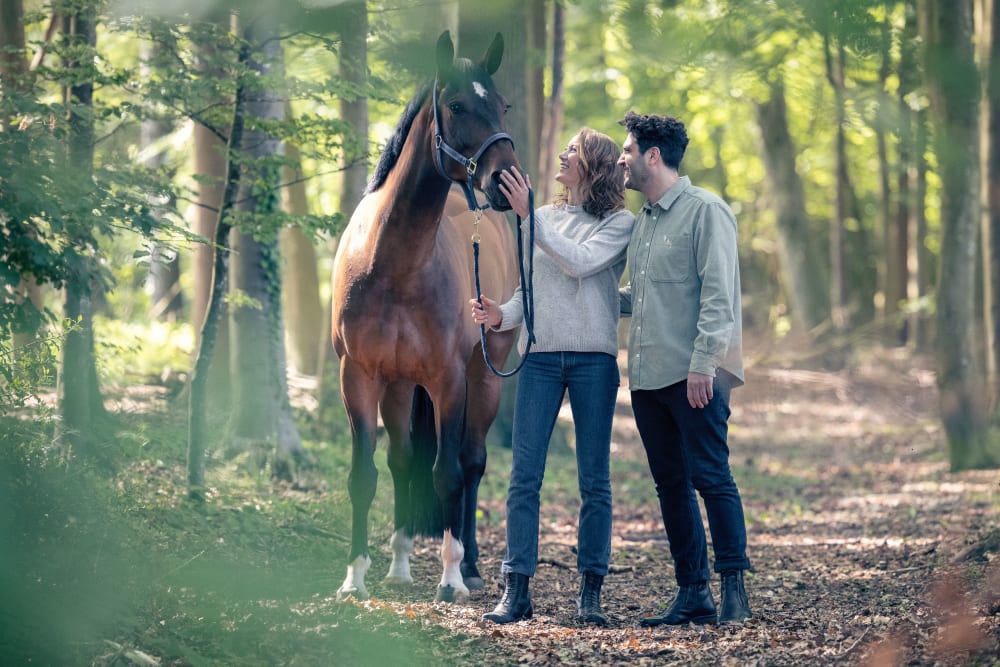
column 470, row 114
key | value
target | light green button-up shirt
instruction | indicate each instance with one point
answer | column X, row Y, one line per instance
column 683, row 292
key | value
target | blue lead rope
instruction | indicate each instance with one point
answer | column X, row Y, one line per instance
column 527, row 291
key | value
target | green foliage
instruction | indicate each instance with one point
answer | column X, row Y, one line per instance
column 95, row 565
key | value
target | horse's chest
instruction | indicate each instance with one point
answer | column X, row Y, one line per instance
column 385, row 327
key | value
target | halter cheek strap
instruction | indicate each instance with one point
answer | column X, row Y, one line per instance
column 471, row 164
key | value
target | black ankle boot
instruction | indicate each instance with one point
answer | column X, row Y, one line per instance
column 693, row 604
column 516, row 601
column 734, row 605
column 588, row 604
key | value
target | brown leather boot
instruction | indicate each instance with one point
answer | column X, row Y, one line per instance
column 588, row 603
column 516, row 601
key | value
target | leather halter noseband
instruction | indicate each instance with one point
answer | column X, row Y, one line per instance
column 470, row 163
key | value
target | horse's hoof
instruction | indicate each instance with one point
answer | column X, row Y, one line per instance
column 471, row 577
column 451, row 594
column 398, row 582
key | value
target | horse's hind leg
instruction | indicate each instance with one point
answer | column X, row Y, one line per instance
column 361, row 402
column 396, row 405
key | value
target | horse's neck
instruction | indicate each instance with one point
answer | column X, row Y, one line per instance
column 415, row 197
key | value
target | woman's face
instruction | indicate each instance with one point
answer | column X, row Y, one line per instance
column 570, row 169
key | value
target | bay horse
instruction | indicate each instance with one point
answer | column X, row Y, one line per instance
column 402, row 278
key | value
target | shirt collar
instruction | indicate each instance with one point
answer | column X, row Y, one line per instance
column 670, row 196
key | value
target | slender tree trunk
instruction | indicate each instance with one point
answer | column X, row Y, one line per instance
column 990, row 136
column 926, row 265
column 906, row 174
column 894, row 235
column 198, row 396
column 801, row 258
column 353, row 65
column 210, row 169
column 164, row 268
column 536, row 60
column 953, row 83
column 838, row 224
column 300, row 299
column 552, row 125
column 261, row 418
column 13, row 69
column 12, row 62
column 79, row 395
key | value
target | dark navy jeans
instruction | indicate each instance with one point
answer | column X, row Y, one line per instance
column 687, row 451
column 592, row 380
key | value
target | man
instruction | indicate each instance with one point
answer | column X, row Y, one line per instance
column 685, row 354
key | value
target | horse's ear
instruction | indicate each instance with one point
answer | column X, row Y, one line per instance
column 494, row 54
column 445, row 55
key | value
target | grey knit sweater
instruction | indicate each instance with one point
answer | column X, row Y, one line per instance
column 578, row 263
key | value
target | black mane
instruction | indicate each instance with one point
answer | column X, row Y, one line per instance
column 394, row 145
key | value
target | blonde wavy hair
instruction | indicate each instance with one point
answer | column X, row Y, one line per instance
column 603, row 186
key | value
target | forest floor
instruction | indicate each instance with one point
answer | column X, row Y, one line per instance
column 866, row 550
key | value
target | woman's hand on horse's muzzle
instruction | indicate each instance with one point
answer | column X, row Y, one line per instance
column 514, row 187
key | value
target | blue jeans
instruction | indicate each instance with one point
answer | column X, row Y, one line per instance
column 592, row 380
column 687, row 451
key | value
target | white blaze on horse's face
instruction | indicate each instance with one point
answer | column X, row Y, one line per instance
column 480, row 89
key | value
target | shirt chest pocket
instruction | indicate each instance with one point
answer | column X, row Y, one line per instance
column 672, row 260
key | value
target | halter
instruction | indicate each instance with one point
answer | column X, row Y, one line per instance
column 470, row 163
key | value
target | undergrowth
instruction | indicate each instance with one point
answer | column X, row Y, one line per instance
column 111, row 568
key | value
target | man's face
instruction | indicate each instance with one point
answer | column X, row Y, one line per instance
column 632, row 160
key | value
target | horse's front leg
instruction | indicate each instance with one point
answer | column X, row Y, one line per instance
column 396, row 409
column 449, row 482
column 361, row 402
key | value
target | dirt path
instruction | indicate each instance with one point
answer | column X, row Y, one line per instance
column 866, row 550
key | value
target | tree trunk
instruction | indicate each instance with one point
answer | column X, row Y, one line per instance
column 804, row 269
column 300, row 300
column 219, row 286
column 894, row 234
column 838, row 224
column 478, row 23
column 79, row 395
column 164, row 268
column 353, row 65
column 210, row 169
column 261, row 418
column 991, row 211
column 12, row 62
column 953, row 84
column 906, row 204
column 552, row 125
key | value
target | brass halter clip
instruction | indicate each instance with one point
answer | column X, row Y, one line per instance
column 475, row 233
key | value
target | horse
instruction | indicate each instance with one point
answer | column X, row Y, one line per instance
column 402, row 277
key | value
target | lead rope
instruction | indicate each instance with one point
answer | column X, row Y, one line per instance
column 527, row 290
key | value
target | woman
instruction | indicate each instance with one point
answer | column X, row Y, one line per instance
column 582, row 237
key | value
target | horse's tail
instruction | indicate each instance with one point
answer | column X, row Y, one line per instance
column 426, row 516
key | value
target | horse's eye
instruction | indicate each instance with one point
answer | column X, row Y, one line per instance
column 456, row 108
column 506, row 108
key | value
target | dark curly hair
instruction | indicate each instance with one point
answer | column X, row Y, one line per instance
column 665, row 132
column 603, row 186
